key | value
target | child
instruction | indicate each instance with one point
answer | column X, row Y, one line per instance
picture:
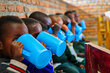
column 78, row 44
column 81, row 23
column 67, row 62
column 66, row 23
column 11, row 28
column 56, row 20
column 44, row 20
column 35, row 28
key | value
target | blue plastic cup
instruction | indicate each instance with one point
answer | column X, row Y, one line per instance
column 69, row 36
column 61, row 35
column 50, row 31
column 83, row 25
column 34, row 52
column 77, row 38
column 78, row 29
column 69, row 25
column 83, row 36
column 55, row 45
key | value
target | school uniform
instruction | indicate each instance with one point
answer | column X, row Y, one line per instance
column 68, row 63
column 12, row 66
column 79, row 46
column 32, row 68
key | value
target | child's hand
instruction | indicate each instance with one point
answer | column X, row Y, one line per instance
column 64, row 27
column 73, row 21
column 82, row 66
column 16, row 50
column 44, row 44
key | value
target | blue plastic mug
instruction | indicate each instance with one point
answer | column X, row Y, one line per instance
column 34, row 52
column 55, row 45
column 78, row 29
column 69, row 36
column 83, row 35
column 69, row 25
column 78, row 38
column 61, row 35
column 50, row 31
column 83, row 25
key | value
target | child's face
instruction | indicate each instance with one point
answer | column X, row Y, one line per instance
column 9, row 34
column 71, row 15
column 76, row 17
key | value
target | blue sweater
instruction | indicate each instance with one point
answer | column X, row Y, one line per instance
column 32, row 69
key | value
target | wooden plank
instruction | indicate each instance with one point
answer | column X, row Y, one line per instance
column 97, row 59
column 100, row 31
column 107, row 34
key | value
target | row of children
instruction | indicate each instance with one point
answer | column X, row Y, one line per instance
column 33, row 44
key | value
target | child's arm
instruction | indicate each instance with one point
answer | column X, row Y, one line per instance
column 72, row 58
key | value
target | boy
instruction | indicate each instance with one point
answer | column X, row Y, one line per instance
column 67, row 62
column 78, row 45
column 56, row 20
column 43, row 19
column 35, row 28
column 11, row 28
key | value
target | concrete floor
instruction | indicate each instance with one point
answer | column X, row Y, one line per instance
column 92, row 39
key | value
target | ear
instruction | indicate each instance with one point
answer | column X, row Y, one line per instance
column 1, row 45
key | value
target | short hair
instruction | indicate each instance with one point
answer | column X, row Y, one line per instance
column 29, row 21
column 44, row 27
column 32, row 21
column 41, row 17
column 55, row 18
column 59, row 14
column 65, row 19
column 67, row 12
column 10, row 20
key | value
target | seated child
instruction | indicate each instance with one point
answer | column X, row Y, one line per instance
column 35, row 28
column 77, row 19
column 43, row 19
column 67, row 62
column 78, row 45
column 56, row 20
column 11, row 28
column 67, row 21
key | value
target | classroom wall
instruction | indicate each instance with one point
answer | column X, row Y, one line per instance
column 23, row 8
column 89, row 10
